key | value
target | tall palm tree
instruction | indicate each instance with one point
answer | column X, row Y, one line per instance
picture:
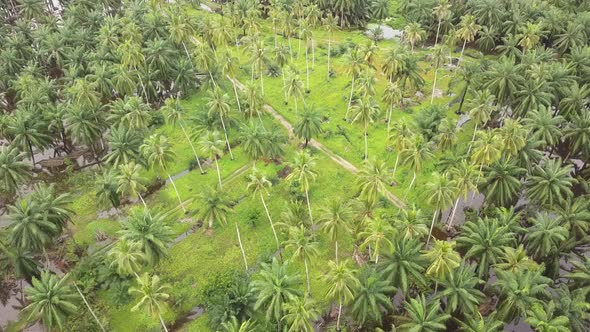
column 212, row 145
column 460, row 290
column 372, row 297
column 149, row 232
column 544, row 126
column 309, row 124
column 392, row 95
column 274, row 288
column 175, row 113
column 21, row 262
column 158, row 152
column 372, row 180
column 400, row 134
column 335, row 218
column 303, row 172
column 545, row 237
column 127, row 258
column 468, row 29
column 218, row 105
column 342, row 282
column 233, row 325
column 438, row 55
column 124, row 145
column 259, row 184
column 529, row 36
column 295, row 89
column 365, row 111
column 441, row 192
column 442, row 11
column 465, row 176
column 30, row 230
column 301, row 314
column 354, row 60
column 28, row 131
column 215, row 206
column 414, row 155
column 377, row 236
column 502, row 184
column 52, row 300
column 13, row 170
column 404, row 266
column 330, row 24
column 413, row 33
column 303, row 248
column 306, row 34
column 411, row 223
column 152, row 294
column 424, row 316
column 486, row 149
column 551, row 183
column 481, row 106
column 130, row 181
column 443, row 259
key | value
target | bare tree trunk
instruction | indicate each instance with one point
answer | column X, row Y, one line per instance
column 395, row 166
column 192, row 147
column 89, row 308
column 307, row 276
column 307, row 66
column 218, row 172
column 434, row 86
column 309, row 210
column 162, row 322
column 241, row 247
column 461, row 56
column 336, row 251
column 472, row 139
column 366, row 145
column 339, row 314
column 410, row 187
column 450, row 224
column 231, row 155
column 177, row 195
column 237, row 97
column 437, row 32
column 272, row 226
column 349, row 99
column 284, row 87
column 431, row 227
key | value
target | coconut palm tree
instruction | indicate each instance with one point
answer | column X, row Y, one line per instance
column 84, row 126
column 414, row 155
column 481, row 106
column 404, row 266
column 52, row 300
column 106, row 188
column 376, row 235
column 304, row 173
column 529, row 36
column 259, row 184
column 519, row 290
column 413, row 33
column 438, row 56
column 152, row 295
column 354, row 59
column 218, row 105
column 330, row 24
column 295, row 90
column 441, row 192
column 501, row 183
column 372, row 180
column 545, row 237
column 303, row 247
column 301, row 314
column 158, row 152
column 400, row 134
column 124, row 144
column 149, row 232
column 335, row 219
column 365, row 111
column 127, row 258
column 309, row 124
column 175, row 113
column 130, row 182
column 212, row 145
column 274, row 288
column 485, row 240
column 424, row 316
column 468, row 29
column 215, row 206
column 13, row 170
column 443, row 260
column 342, row 282
column 392, row 95
column 480, row 324
column 573, row 305
column 372, row 297
column 28, row 131
column 551, row 183
column 21, row 262
column 442, row 11
column 543, row 318
column 233, row 325
column 486, row 149
column 29, row 229
column 465, row 175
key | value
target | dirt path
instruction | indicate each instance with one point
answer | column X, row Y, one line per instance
column 335, row 157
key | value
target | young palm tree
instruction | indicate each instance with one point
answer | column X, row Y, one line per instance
column 218, row 105
column 274, row 288
column 424, row 316
column 372, row 297
column 377, row 236
column 529, row 36
column 259, row 184
column 414, row 155
column 342, row 282
column 152, row 296
column 481, row 106
column 411, row 223
column 413, row 33
column 295, row 90
column 52, row 300
column 443, row 259
column 106, row 188
column 233, row 325
column 372, row 180
column 330, row 23
column 438, row 55
column 335, row 219
column 149, row 232
column 127, row 258
column 175, row 113
column 301, row 313
column 130, row 182
column 365, row 111
column 158, row 152
column 404, row 266
column 212, row 145
column 304, row 173
column 303, row 248
column 309, row 125
column 468, row 29
column 551, row 183
column 215, row 206
column 465, row 176
column 13, row 170
column 441, row 192
column 460, row 290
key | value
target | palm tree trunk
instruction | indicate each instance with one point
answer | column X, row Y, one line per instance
column 450, row 224
column 144, row 204
column 237, row 97
column 290, row 47
column 261, row 77
column 395, row 166
column 307, row 276
column 272, row 226
column 241, row 247
column 437, row 32
column 434, row 85
column 461, row 56
column 472, row 139
column 298, row 48
column 339, row 313
column 312, row 55
column 31, row 152
column 431, row 227
column 477, row 181
column 389, row 114
column 284, row 85
column 176, row 191
column 366, row 144
column 89, row 308
column 350, row 99
column 192, row 147
column 336, row 251
column 142, row 87
column 307, row 67
column 218, row 172
column 162, row 322
column 410, row 187
column 309, row 210
column 296, row 106
column 329, row 50
column 231, row 155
